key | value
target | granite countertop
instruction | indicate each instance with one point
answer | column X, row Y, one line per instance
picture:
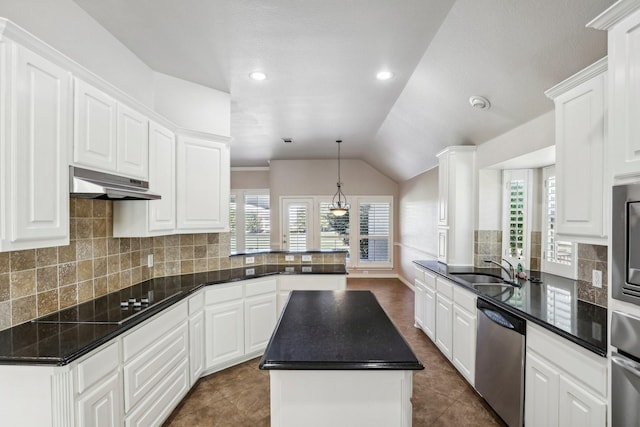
column 329, row 330
column 48, row 341
column 552, row 303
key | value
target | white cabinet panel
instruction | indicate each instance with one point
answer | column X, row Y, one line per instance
column 203, row 185
column 99, row 365
column 196, row 346
column 578, row 407
column 162, row 178
column 580, row 153
column 260, row 321
column 101, row 407
column 464, row 342
column 541, row 402
column 133, row 143
column 429, row 321
column 419, row 303
column 444, row 325
column 94, row 128
column 33, row 150
column 224, row 329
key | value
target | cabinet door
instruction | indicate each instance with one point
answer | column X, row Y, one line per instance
column 578, row 407
column 541, row 391
column 196, row 346
column 624, row 101
column 94, row 128
column 429, row 321
column 260, row 321
column 444, row 321
column 419, row 303
column 100, row 406
column 442, row 245
column 202, row 185
column 37, row 198
column 580, row 159
column 224, row 332
column 132, row 143
column 162, row 178
column 443, row 190
column 464, row 343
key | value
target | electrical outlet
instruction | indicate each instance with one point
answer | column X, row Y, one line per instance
column 306, row 258
column 250, row 272
column 249, row 260
column 596, row 278
column 150, row 260
column 289, row 258
column 307, row 269
column 289, row 269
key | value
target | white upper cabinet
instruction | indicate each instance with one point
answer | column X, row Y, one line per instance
column 203, row 184
column 109, row 136
column 581, row 155
column 622, row 20
column 35, row 132
column 456, row 206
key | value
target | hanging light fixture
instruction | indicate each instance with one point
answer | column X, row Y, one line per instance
column 339, row 205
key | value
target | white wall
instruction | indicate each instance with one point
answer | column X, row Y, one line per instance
column 249, row 178
column 192, row 106
column 418, row 210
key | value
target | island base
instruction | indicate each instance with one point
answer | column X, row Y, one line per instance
column 341, row 398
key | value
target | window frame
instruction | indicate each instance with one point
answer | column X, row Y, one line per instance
column 509, row 175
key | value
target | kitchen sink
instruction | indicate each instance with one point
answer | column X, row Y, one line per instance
column 478, row 277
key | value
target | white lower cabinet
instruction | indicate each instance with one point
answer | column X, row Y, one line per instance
column 420, row 290
column 429, row 324
column 196, row 336
column 239, row 320
column 444, row 316
column 566, row 385
column 464, row 333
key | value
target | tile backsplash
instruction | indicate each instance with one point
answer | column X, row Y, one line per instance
column 487, row 245
column 592, row 257
column 37, row 282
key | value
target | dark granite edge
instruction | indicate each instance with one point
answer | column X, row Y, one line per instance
column 339, row 366
column 138, row 319
column 271, row 251
column 600, row 351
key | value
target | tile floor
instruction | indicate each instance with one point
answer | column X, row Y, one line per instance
column 239, row 396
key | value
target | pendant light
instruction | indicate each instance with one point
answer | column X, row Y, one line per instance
column 339, row 205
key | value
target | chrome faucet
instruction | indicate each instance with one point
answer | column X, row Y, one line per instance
column 511, row 271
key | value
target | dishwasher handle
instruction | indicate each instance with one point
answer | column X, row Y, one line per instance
column 501, row 317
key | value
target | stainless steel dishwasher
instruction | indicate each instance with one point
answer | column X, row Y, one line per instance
column 500, row 351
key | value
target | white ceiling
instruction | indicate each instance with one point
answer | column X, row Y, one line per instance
column 321, row 57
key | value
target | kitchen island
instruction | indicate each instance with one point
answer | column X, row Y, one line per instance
column 335, row 358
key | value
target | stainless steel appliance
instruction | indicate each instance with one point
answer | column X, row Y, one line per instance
column 500, row 350
column 625, row 370
column 89, row 184
column 625, row 243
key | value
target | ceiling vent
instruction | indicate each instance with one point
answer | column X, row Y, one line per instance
column 287, row 140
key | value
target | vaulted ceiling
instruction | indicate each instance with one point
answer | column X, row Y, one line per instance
column 321, row 58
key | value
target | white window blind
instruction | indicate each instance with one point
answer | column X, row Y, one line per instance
column 297, row 220
column 257, row 222
column 334, row 230
column 516, row 217
column 374, row 243
column 233, row 211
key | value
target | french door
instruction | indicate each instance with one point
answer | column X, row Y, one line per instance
column 297, row 224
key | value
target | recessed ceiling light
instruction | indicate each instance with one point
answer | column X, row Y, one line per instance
column 384, row 75
column 258, row 75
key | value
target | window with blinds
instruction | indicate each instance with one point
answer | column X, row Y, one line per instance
column 257, row 222
column 232, row 223
column 249, row 220
column 558, row 256
column 516, row 191
column 334, row 230
column 297, row 224
column 374, row 237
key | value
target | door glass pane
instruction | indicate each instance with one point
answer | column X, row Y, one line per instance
column 297, row 220
column 516, row 217
column 232, row 223
column 257, row 222
column 560, row 252
column 374, row 232
column 334, row 230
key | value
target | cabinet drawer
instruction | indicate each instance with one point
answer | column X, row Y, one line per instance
column 418, row 273
column 444, row 287
column 260, row 287
column 430, row 280
column 162, row 400
column 196, row 303
column 464, row 299
column 98, row 366
column 146, row 372
column 149, row 333
column 223, row 293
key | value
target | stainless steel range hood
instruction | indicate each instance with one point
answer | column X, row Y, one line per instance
column 88, row 184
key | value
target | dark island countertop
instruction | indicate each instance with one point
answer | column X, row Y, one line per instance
column 551, row 303
column 58, row 338
column 334, row 330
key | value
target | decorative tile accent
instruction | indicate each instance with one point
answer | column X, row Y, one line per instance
column 592, row 257
column 487, row 245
